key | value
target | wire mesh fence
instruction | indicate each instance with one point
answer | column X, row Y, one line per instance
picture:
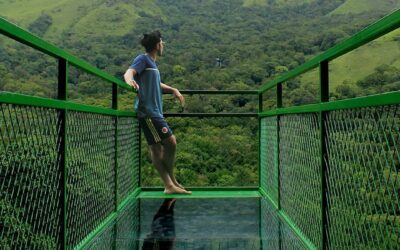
column 269, row 157
column 122, row 233
column 29, row 177
column 300, row 173
column 128, row 156
column 90, row 168
column 364, row 178
column 31, row 186
column 363, row 163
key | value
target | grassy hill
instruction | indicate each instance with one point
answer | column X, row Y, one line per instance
column 359, row 63
column 360, row 6
column 88, row 18
column 280, row 3
column 362, row 62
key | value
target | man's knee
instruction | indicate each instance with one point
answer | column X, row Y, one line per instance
column 156, row 150
column 170, row 142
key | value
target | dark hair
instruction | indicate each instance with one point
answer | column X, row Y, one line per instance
column 150, row 40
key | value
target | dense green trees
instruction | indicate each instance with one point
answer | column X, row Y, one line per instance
column 251, row 51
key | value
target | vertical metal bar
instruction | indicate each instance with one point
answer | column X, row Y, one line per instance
column 138, row 228
column 278, row 117
column 115, row 107
column 140, row 157
column 324, row 81
column 324, row 97
column 62, row 137
column 278, row 170
column 260, row 222
column 260, row 110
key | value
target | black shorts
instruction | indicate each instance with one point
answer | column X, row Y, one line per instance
column 155, row 129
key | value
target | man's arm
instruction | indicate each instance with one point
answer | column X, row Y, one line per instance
column 128, row 76
column 169, row 90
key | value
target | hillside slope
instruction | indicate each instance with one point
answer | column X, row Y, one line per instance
column 360, row 6
column 279, row 3
column 95, row 17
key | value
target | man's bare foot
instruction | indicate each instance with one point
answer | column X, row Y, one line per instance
column 175, row 190
column 179, row 185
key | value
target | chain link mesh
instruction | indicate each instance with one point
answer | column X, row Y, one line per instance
column 122, row 233
column 300, row 173
column 127, row 226
column 270, row 225
column 364, row 179
column 289, row 240
column 90, row 168
column 128, row 156
column 269, row 156
column 29, row 178
column 275, row 233
column 104, row 240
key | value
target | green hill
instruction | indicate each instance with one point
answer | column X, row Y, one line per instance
column 280, row 3
column 87, row 18
column 358, row 64
column 360, row 6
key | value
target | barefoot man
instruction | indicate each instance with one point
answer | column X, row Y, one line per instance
column 143, row 75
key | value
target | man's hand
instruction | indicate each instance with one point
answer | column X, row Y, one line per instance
column 179, row 96
column 134, row 84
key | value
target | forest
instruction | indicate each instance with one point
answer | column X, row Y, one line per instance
column 252, row 51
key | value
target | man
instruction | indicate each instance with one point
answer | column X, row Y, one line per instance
column 143, row 75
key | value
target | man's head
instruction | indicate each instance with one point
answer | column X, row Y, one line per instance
column 153, row 42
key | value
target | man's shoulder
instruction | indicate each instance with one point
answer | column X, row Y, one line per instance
column 140, row 57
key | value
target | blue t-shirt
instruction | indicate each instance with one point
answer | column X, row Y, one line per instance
column 148, row 103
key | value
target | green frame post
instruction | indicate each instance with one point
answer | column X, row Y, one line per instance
column 140, row 155
column 278, row 117
column 62, row 137
column 324, row 97
column 278, row 105
column 115, row 107
column 260, row 110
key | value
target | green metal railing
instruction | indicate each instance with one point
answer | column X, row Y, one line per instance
column 66, row 168
column 332, row 168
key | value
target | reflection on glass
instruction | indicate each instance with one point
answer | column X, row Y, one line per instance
column 162, row 234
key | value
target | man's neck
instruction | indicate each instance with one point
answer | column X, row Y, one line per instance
column 153, row 55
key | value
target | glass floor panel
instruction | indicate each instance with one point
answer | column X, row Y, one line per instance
column 196, row 223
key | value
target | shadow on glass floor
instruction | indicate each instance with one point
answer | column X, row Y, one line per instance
column 229, row 223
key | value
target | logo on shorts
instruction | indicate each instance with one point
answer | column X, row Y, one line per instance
column 164, row 130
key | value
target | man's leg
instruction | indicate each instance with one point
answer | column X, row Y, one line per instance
column 170, row 187
column 156, row 156
column 168, row 156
